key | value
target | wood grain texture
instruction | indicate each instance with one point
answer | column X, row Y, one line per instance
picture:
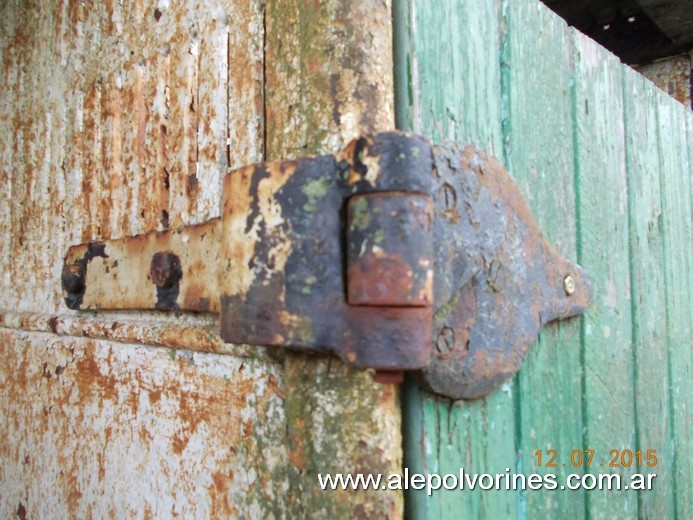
column 648, row 294
column 609, row 409
column 677, row 207
column 448, row 84
column 540, row 153
column 116, row 122
column 102, row 111
column 96, row 429
column 329, row 79
column 122, row 118
column 601, row 157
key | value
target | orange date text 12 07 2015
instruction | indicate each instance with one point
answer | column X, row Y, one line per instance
column 585, row 458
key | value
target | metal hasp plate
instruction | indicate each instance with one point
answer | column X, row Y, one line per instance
column 392, row 253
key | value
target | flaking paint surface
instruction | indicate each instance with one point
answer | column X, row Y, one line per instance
column 329, row 80
column 119, row 118
column 98, row 429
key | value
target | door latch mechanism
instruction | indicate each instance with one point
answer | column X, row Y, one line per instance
column 392, row 253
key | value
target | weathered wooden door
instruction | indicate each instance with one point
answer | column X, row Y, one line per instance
column 604, row 159
column 119, row 118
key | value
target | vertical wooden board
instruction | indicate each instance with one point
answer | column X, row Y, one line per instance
column 328, row 70
column 112, row 157
column 89, row 83
column 602, row 195
column 18, row 134
column 138, row 82
column 54, row 194
column 455, row 74
column 101, row 125
column 473, row 437
column 651, row 395
column 212, row 111
column 689, row 128
column 246, row 87
column 90, row 156
column 155, row 198
column 32, row 157
column 333, row 89
column 448, row 74
column 9, row 85
column 182, row 136
column 537, row 78
column 97, row 429
column 44, row 155
column 675, row 181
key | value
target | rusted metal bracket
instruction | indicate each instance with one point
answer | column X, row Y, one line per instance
column 392, row 254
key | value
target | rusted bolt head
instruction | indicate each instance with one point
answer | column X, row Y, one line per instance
column 72, row 282
column 569, row 285
column 165, row 270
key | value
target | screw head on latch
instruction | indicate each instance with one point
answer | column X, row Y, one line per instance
column 569, row 285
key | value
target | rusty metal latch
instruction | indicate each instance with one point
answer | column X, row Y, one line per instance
column 392, row 253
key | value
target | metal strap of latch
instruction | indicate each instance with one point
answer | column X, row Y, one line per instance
column 392, row 253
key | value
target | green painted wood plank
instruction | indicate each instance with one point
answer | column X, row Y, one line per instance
column 477, row 436
column 455, row 73
column 689, row 132
column 539, row 147
column 675, row 182
column 647, row 289
column 448, row 85
column 609, row 412
column 614, row 382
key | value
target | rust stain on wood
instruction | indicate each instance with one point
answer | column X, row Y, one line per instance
column 98, row 107
column 100, row 122
column 126, row 421
column 117, row 123
column 328, row 73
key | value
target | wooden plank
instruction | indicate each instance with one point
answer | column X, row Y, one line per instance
column 652, row 406
column 609, row 413
column 245, row 85
column 553, row 131
column 97, row 429
column 182, row 136
column 479, row 437
column 212, row 96
column 689, row 128
column 108, row 428
column 456, row 78
column 677, row 231
column 540, row 154
column 9, row 84
column 448, row 84
column 112, row 157
column 329, row 79
column 111, row 172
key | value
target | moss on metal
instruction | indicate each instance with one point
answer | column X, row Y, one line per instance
column 329, row 79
